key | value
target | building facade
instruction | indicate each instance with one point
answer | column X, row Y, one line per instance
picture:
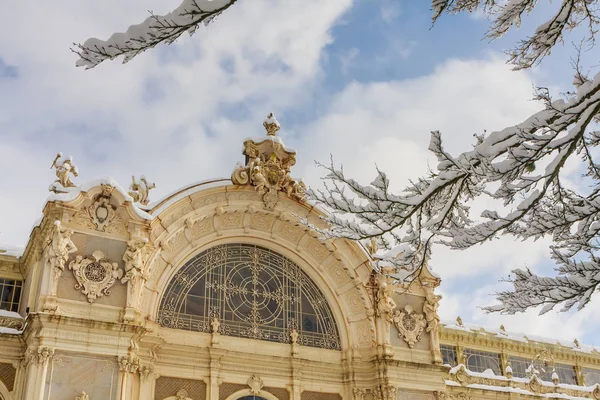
column 219, row 292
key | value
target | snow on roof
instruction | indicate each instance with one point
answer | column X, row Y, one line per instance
column 11, row 250
column 72, row 193
column 159, row 206
column 500, row 378
column 520, row 337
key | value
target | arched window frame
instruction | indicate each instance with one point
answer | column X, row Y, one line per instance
column 206, row 325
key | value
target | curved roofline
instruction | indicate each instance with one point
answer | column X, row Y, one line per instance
column 157, row 207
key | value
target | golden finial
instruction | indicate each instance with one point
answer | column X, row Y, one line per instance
column 271, row 125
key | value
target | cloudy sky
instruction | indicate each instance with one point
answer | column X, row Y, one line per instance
column 363, row 80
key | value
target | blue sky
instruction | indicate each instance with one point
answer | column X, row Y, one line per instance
column 364, row 80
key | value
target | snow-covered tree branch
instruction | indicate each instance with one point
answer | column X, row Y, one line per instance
column 154, row 30
column 521, row 166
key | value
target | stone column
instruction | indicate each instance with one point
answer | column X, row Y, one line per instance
column 37, row 369
column 213, row 382
column 128, row 367
column 147, row 382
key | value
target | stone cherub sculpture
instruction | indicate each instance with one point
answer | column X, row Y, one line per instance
column 64, row 168
column 140, row 189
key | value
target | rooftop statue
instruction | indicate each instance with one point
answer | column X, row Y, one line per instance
column 140, row 189
column 268, row 164
column 64, row 168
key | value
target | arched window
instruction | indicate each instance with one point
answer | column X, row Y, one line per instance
column 253, row 292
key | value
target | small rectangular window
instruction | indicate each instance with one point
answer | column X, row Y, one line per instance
column 566, row 374
column 591, row 376
column 10, row 294
column 449, row 355
column 519, row 366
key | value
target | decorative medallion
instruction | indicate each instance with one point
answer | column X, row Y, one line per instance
column 255, row 384
column 267, row 168
column 410, row 325
column 101, row 212
column 95, row 275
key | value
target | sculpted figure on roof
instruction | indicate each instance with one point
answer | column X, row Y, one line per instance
column 140, row 189
column 64, row 169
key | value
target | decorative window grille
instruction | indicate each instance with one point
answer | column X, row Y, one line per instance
column 591, row 376
column 253, row 292
column 479, row 361
column 10, row 294
column 251, row 398
column 449, row 354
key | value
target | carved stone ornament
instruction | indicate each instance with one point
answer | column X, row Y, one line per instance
column 128, row 364
column 182, row 394
column 12, row 322
column 64, row 169
column 140, row 189
column 83, row 396
column 95, row 275
column 267, row 168
column 410, row 325
column 255, row 384
column 101, row 212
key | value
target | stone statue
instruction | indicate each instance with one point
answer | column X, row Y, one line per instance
column 430, row 308
column 294, row 336
column 385, row 302
column 135, row 270
column 134, row 259
column 64, row 168
column 60, row 246
column 182, row 394
column 432, row 317
column 215, row 325
column 140, row 189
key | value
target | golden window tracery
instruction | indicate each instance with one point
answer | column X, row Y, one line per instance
column 253, row 292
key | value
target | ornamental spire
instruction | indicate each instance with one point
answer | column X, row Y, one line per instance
column 271, row 125
column 268, row 164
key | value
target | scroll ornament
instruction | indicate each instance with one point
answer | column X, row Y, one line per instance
column 95, row 275
column 410, row 325
column 267, row 168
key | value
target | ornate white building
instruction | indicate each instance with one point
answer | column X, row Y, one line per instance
column 218, row 293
